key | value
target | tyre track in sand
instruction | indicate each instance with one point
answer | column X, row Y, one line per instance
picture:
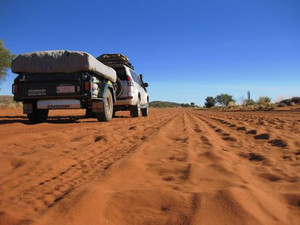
column 186, row 165
column 256, row 146
column 192, row 172
column 178, row 166
column 95, row 154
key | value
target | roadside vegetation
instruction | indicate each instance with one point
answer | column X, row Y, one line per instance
column 7, row 101
column 164, row 104
column 5, row 60
column 226, row 101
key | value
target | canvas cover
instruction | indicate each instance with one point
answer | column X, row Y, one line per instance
column 61, row 61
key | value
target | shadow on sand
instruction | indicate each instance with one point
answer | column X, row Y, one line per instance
column 50, row 119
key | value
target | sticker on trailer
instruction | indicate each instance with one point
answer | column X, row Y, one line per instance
column 36, row 92
column 65, row 89
column 58, row 106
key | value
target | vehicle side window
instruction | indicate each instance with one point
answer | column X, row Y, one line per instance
column 138, row 79
column 135, row 77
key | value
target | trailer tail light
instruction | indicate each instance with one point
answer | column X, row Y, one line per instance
column 87, row 85
column 129, row 81
column 15, row 89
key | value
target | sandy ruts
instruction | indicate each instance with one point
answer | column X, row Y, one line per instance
column 177, row 166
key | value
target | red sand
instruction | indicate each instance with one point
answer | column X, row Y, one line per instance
column 177, row 166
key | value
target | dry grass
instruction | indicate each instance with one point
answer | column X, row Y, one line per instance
column 7, row 101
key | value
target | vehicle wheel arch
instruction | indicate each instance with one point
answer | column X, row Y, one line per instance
column 112, row 93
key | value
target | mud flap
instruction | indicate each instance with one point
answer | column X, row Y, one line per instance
column 97, row 106
column 27, row 108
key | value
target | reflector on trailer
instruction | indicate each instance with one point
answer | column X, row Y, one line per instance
column 87, row 85
column 15, row 88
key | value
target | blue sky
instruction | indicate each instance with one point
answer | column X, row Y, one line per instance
column 187, row 50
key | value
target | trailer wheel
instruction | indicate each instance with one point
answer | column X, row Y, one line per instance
column 107, row 113
column 38, row 115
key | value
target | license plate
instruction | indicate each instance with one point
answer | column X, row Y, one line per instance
column 65, row 89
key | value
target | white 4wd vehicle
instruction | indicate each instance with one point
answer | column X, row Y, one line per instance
column 131, row 90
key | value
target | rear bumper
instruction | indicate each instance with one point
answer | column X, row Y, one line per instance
column 125, row 102
column 59, row 104
column 97, row 105
column 35, row 98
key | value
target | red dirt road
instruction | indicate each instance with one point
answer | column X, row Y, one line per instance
column 177, row 166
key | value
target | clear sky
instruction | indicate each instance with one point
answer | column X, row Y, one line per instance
column 187, row 50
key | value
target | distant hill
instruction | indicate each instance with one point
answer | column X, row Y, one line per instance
column 163, row 104
column 8, row 101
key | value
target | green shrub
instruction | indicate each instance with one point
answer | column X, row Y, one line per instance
column 286, row 101
column 296, row 100
column 249, row 102
column 264, row 100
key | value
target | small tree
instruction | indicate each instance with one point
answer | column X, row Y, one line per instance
column 5, row 60
column 192, row 104
column 264, row 100
column 210, row 102
column 224, row 99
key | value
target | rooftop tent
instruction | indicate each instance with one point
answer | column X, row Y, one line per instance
column 61, row 61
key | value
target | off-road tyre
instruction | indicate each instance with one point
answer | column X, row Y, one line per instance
column 114, row 114
column 38, row 115
column 145, row 111
column 108, row 108
column 119, row 87
column 135, row 110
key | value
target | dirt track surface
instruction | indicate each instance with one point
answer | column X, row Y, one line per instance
column 176, row 166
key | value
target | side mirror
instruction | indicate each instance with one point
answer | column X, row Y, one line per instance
column 145, row 84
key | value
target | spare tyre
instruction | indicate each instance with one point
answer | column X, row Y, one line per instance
column 119, row 87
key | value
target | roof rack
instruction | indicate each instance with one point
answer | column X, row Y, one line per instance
column 115, row 60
